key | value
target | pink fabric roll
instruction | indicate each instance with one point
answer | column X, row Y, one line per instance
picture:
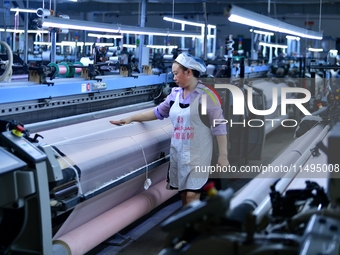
column 87, row 236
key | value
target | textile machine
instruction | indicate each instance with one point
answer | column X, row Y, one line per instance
column 291, row 207
column 68, row 172
column 78, row 179
column 64, row 166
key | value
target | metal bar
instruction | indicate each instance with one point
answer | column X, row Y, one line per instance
column 68, row 204
column 26, row 35
column 141, row 45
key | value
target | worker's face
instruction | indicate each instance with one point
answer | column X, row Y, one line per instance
column 181, row 77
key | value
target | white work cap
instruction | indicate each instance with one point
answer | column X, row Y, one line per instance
column 191, row 62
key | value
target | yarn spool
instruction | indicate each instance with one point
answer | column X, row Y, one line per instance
column 74, row 71
column 62, row 69
column 55, row 66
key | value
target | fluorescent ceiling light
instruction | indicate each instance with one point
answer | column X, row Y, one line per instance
column 273, row 45
column 112, row 28
column 152, row 46
column 162, row 46
column 191, row 23
column 315, row 49
column 72, row 43
column 97, row 44
column 261, row 32
column 185, row 22
column 22, row 10
column 130, row 45
column 46, row 43
column 23, row 31
column 104, row 36
column 186, row 34
column 293, row 37
column 245, row 17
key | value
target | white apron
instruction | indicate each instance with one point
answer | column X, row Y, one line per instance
column 190, row 149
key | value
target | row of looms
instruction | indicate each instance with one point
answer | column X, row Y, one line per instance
column 66, row 171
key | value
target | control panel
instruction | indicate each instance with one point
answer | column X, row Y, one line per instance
column 23, row 147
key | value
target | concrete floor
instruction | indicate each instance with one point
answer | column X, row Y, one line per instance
column 145, row 236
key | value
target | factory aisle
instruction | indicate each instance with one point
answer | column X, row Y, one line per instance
column 145, row 236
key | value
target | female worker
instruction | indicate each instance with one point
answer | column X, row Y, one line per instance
column 191, row 143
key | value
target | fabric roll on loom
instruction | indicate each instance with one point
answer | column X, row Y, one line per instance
column 105, row 154
column 79, row 241
column 112, row 151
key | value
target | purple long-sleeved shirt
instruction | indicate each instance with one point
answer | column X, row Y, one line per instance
column 214, row 109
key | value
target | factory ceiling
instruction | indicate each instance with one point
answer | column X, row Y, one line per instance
column 191, row 9
column 180, row 7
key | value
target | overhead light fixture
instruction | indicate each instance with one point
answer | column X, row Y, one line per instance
column 152, row 46
column 97, row 44
column 190, row 23
column 22, row 10
column 290, row 37
column 245, row 17
column 211, row 33
column 155, row 33
column 162, row 46
column 73, row 43
column 105, row 36
column 46, row 43
column 273, row 45
column 261, row 32
column 185, row 22
column 130, row 45
column 315, row 49
column 111, row 28
column 20, row 31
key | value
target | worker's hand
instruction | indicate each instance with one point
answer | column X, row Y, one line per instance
column 120, row 122
column 223, row 161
